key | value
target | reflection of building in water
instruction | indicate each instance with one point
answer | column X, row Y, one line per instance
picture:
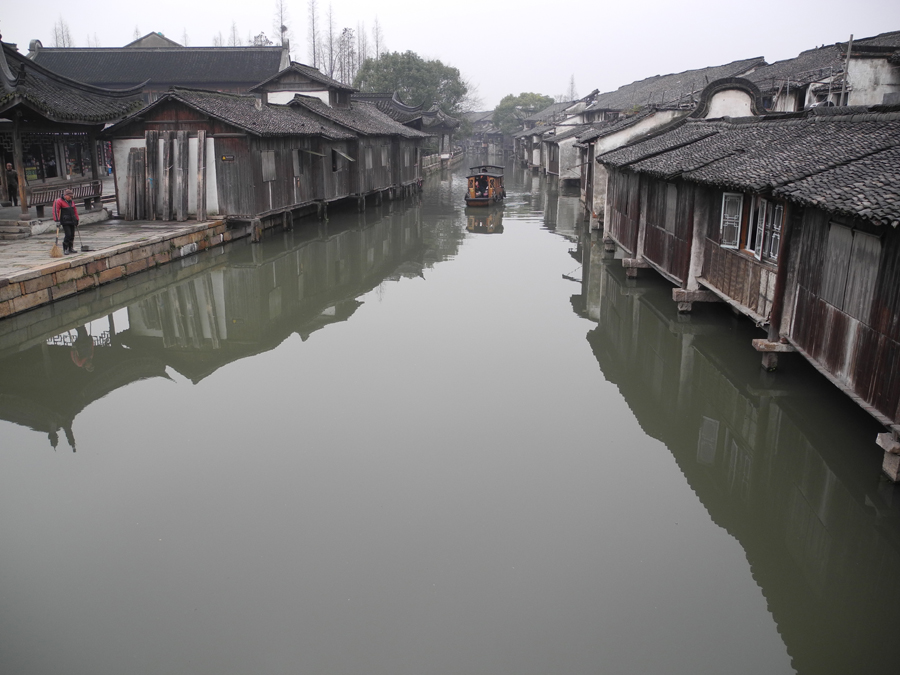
column 569, row 214
column 767, row 456
column 198, row 317
column 265, row 293
column 45, row 386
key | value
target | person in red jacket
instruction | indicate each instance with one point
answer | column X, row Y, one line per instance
column 66, row 214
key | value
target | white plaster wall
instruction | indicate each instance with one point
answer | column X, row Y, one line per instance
column 619, row 139
column 870, row 80
column 212, row 191
column 287, row 96
column 569, row 159
column 730, row 103
column 121, row 147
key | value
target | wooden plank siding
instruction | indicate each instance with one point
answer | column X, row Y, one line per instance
column 669, row 223
column 740, row 276
column 624, row 200
column 846, row 306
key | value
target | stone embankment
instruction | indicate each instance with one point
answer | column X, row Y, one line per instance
column 29, row 277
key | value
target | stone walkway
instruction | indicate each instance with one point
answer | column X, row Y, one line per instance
column 30, row 277
column 34, row 252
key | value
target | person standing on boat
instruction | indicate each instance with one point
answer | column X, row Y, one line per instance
column 66, row 214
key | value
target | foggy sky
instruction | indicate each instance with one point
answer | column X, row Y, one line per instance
column 502, row 47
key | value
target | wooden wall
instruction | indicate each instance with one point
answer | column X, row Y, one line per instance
column 847, row 305
column 669, row 212
column 624, row 200
column 741, row 277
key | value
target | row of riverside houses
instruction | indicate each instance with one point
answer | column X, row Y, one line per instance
column 193, row 152
column 775, row 189
column 238, row 133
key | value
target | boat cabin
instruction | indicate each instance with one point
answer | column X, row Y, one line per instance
column 485, row 185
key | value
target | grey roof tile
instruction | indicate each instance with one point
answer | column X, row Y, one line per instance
column 194, row 66
column 241, row 111
column 60, row 98
column 361, row 117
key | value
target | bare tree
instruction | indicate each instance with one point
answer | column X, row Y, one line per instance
column 92, row 41
column 184, row 38
column 347, row 64
column 281, row 24
column 572, row 92
column 136, row 34
column 260, row 40
column 234, row 38
column 331, row 47
column 378, row 38
column 314, row 36
column 218, row 40
column 362, row 44
column 62, row 36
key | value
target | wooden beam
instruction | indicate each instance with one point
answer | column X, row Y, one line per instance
column 167, row 176
column 20, row 166
column 180, row 196
column 151, row 141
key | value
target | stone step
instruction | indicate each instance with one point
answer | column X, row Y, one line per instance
column 15, row 229
column 8, row 236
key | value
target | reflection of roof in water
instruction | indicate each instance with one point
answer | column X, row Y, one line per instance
column 43, row 389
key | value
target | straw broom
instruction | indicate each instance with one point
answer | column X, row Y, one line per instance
column 55, row 252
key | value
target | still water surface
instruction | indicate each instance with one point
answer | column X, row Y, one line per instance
column 419, row 442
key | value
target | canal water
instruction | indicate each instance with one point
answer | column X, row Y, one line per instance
column 417, row 440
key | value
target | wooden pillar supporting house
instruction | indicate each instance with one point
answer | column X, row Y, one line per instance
column 19, row 165
column 773, row 344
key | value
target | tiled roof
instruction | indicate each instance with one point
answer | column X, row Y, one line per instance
column 779, row 151
column 549, row 112
column 670, row 89
column 868, row 187
column 568, row 132
column 59, row 98
column 476, row 117
column 891, row 39
column 171, row 66
column 539, row 130
column 393, row 107
column 361, row 117
column 309, row 72
column 613, row 126
column 813, row 65
column 241, row 111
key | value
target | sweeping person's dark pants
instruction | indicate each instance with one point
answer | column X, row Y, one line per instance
column 13, row 192
column 69, row 239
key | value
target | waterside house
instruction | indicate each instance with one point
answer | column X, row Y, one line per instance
column 296, row 144
column 431, row 121
column 790, row 218
column 49, row 130
column 156, row 64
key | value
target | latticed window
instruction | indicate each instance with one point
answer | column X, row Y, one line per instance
column 730, row 226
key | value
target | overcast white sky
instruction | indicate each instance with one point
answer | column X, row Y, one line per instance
column 502, row 47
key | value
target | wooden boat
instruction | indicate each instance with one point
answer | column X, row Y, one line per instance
column 485, row 185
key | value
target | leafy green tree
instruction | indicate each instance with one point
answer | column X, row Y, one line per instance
column 415, row 79
column 513, row 109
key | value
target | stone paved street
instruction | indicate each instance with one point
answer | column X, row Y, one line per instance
column 34, row 252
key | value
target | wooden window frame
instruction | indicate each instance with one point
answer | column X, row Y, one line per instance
column 736, row 242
